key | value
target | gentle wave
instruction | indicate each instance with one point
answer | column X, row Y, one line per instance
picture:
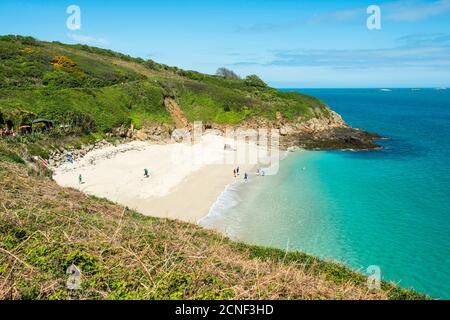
column 231, row 197
column 227, row 200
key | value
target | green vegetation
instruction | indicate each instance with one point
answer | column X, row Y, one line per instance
column 10, row 156
column 88, row 110
column 94, row 90
column 124, row 255
column 29, row 63
column 255, row 81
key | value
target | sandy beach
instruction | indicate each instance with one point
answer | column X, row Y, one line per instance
column 185, row 179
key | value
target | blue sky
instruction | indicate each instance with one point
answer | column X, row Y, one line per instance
column 288, row 43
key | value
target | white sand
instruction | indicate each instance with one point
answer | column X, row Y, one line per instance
column 185, row 180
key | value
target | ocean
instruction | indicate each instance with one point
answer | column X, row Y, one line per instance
column 389, row 208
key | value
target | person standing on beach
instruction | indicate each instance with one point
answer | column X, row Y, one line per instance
column 146, row 175
column 237, row 170
column 234, row 173
column 80, row 179
column 246, row 177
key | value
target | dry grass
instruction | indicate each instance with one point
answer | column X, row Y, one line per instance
column 124, row 255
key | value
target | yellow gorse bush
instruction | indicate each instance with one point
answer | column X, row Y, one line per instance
column 63, row 62
column 66, row 64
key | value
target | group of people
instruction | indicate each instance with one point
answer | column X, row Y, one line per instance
column 7, row 132
column 259, row 172
column 236, row 173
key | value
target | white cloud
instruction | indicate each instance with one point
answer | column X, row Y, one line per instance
column 400, row 11
column 415, row 10
column 403, row 10
column 431, row 56
column 85, row 39
column 338, row 16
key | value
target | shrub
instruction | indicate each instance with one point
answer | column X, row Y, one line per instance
column 255, row 81
column 226, row 73
column 20, row 39
column 9, row 156
column 78, row 121
column 66, row 64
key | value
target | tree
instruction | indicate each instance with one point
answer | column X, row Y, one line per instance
column 226, row 73
column 255, row 81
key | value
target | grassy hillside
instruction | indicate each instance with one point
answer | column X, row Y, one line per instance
column 76, row 84
column 123, row 255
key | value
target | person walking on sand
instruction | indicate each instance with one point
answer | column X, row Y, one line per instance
column 246, row 177
column 237, row 170
column 80, row 179
column 234, row 173
column 146, row 175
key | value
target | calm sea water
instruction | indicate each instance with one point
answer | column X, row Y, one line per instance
column 389, row 208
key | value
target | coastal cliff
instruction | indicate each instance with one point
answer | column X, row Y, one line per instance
column 329, row 132
column 94, row 92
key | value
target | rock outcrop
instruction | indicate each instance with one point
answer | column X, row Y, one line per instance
column 160, row 133
column 323, row 132
column 59, row 157
column 329, row 132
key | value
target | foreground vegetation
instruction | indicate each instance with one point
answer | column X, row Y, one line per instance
column 44, row 229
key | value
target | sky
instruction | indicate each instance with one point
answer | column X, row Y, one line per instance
column 289, row 44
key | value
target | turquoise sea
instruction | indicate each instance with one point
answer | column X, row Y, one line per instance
column 389, row 208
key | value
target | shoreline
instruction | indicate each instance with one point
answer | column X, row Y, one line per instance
column 192, row 199
column 180, row 187
column 223, row 203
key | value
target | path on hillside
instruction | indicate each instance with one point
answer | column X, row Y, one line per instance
column 177, row 114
